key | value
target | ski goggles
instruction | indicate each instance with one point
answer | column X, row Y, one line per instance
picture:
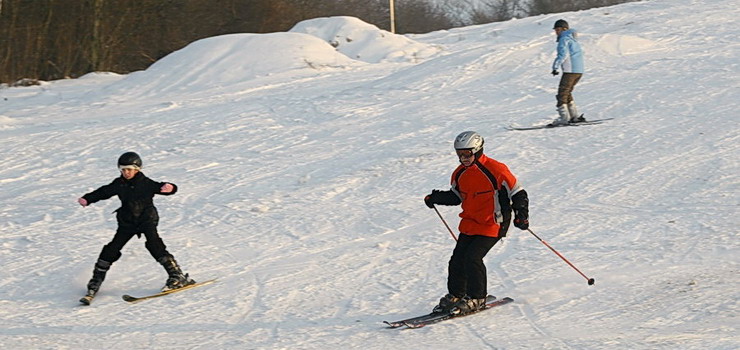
column 121, row 167
column 464, row 153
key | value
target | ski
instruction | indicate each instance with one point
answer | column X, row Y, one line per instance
column 420, row 321
column 552, row 126
column 87, row 299
column 422, row 318
column 429, row 316
column 440, row 318
column 131, row 299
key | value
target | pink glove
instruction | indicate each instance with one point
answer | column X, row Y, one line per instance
column 82, row 201
column 166, row 188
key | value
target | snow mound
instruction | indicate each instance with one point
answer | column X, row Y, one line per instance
column 622, row 45
column 234, row 58
column 311, row 46
column 365, row 42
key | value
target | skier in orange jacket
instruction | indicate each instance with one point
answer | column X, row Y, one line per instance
column 487, row 192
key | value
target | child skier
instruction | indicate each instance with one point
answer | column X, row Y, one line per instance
column 487, row 192
column 136, row 215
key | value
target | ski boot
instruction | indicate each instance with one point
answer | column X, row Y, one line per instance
column 563, row 117
column 446, row 303
column 101, row 268
column 176, row 278
column 467, row 305
column 579, row 119
column 574, row 116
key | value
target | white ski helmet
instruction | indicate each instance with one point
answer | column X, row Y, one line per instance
column 469, row 140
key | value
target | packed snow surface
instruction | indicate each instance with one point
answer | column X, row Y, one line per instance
column 302, row 160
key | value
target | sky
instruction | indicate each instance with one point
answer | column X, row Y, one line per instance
column 302, row 160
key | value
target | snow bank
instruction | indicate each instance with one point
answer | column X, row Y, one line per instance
column 365, row 42
column 231, row 59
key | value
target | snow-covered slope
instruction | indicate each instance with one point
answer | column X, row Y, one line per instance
column 302, row 170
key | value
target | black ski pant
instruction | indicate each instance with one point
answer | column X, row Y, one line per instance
column 567, row 83
column 467, row 273
column 112, row 251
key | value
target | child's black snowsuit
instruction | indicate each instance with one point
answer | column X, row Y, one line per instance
column 136, row 215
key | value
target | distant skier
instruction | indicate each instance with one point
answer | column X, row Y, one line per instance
column 570, row 59
column 488, row 192
column 136, row 215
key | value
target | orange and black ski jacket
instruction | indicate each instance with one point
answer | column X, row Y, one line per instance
column 485, row 190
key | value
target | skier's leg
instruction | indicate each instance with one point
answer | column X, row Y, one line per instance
column 565, row 89
column 154, row 244
column 575, row 117
column 476, row 291
column 475, row 269
column 99, row 271
column 562, row 98
column 110, row 253
column 158, row 250
column 457, row 280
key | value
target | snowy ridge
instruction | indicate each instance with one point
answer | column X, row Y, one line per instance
column 365, row 42
column 301, row 188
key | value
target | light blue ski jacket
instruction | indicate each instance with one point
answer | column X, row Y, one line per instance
column 570, row 54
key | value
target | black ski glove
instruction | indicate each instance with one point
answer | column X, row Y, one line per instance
column 433, row 198
column 428, row 200
column 521, row 219
column 520, row 204
column 554, row 72
column 441, row 197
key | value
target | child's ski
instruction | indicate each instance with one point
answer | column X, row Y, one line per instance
column 131, row 299
column 87, row 299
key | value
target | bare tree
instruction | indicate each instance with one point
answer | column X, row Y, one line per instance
column 418, row 16
column 497, row 11
column 538, row 7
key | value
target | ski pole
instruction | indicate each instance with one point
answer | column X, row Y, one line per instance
column 590, row 280
column 444, row 222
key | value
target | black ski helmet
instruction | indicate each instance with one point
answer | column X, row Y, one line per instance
column 561, row 23
column 130, row 159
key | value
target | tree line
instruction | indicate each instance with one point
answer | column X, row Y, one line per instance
column 55, row 39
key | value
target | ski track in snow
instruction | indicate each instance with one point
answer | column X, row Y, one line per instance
column 301, row 188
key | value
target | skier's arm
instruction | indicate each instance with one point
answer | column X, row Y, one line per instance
column 518, row 197
column 163, row 188
column 562, row 51
column 102, row 193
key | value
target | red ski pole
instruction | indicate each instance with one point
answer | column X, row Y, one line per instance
column 444, row 222
column 590, row 280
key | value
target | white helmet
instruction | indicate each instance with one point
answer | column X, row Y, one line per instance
column 469, row 140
